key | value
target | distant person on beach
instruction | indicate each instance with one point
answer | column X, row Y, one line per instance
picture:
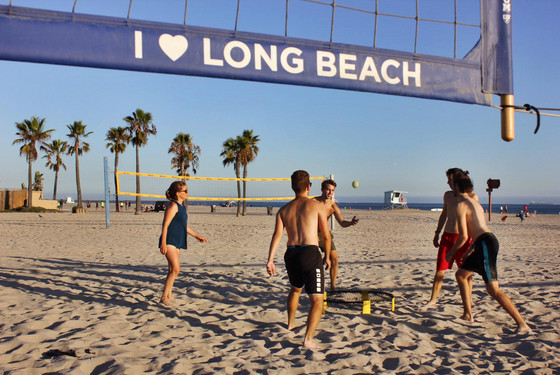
column 326, row 198
column 481, row 257
column 449, row 236
column 174, row 232
column 301, row 217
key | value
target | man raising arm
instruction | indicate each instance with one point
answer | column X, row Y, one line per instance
column 327, row 193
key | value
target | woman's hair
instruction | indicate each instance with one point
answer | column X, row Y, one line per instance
column 174, row 188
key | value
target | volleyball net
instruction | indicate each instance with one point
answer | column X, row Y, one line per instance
column 212, row 188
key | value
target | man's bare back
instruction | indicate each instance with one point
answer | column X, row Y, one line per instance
column 451, row 202
column 301, row 218
column 471, row 217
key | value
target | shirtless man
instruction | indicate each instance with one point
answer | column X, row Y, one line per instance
column 481, row 257
column 326, row 198
column 301, row 217
column 450, row 234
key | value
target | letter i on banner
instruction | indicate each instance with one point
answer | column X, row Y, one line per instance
column 138, row 44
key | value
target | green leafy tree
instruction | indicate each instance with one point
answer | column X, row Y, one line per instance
column 117, row 139
column 55, row 150
column 77, row 131
column 38, row 182
column 139, row 127
column 31, row 134
column 186, row 154
column 231, row 151
column 248, row 152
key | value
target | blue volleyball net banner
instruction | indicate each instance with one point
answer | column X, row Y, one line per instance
column 102, row 41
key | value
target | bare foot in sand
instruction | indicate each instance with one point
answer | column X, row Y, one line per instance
column 430, row 305
column 468, row 318
column 311, row 345
column 523, row 330
column 166, row 302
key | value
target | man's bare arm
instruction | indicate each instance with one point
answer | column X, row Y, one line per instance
column 441, row 222
column 274, row 242
column 340, row 219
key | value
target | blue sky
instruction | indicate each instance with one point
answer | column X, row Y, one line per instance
column 385, row 142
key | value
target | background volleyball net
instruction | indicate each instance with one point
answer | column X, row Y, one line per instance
column 212, row 188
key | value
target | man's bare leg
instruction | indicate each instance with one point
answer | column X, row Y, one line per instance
column 313, row 320
column 470, row 281
column 293, row 301
column 436, row 288
column 334, row 268
column 462, row 277
column 494, row 290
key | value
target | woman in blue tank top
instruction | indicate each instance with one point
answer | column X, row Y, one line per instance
column 174, row 232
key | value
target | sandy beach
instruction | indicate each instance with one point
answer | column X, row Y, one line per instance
column 68, row 283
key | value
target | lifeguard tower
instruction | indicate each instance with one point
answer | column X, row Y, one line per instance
column 395, row 199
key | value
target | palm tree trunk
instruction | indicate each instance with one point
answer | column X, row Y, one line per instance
column 116, row 192
column 55, row 184
column 29, row 180
column 238, row 191
column 244, row 190
column 78, row 186
column 138, row 201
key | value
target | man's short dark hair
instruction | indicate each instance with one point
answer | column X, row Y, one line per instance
column 463, row 184
column 327, row 182
column 300, row 181
column 456, row 172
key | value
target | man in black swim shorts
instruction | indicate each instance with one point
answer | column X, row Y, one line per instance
column 305, row 268
column 481, row 257
column 301, row 217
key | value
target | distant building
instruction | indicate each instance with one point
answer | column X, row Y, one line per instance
column 10, row 199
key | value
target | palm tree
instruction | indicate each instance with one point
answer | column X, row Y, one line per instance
column 117, row 139
column 77, row 147
column 139, row 127
column 55, row 150
column 248, row 153
column 186, row 154
column 31, row 133
column 231, row 154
